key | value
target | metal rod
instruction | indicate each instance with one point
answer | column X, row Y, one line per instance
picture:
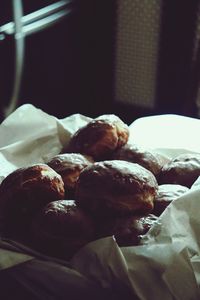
column 58, row 7
column 45, row 22
column 19, row 56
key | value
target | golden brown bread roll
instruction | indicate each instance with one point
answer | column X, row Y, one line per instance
column 69, row 166
column 126, row 230
column 166, row 194
column 24, row 192
column 183, row 170
column 100, row 137
column 146, row 158
column 116, row 187
column 61, row 228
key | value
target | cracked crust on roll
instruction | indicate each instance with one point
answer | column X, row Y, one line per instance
column 100, row 137
column 116, row 188
column 24, row 192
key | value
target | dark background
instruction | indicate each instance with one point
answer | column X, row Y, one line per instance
column 69, row 68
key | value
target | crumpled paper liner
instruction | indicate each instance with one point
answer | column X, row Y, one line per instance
column 30, row 136
column 167, row 264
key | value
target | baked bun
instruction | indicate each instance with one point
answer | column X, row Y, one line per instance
column 100, row 137
column 61, row 228
column 69, row 166
column 183, row 170
column 166, row 194
column 117, row 188
column 148, row 159
column 126, row 230
column 24, row 192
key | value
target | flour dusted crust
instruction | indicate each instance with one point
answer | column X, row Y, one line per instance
column 146, row 158
column 24, row 192
column 183, row 170
column 121, row 128
column 166, row 194
column 69, row 166
column 116, row 187
column 100, row 137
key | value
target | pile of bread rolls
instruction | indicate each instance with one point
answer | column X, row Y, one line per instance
column 100, row 185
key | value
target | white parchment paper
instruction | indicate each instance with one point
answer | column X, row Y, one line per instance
column 167, row 265
column 30, row 136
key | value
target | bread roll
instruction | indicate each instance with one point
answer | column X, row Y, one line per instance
column 69, row 166
column 61, row 228
column 126, row 230
column 24, row 192
column 100, row 137
column 183, row 170
column 166, row 194
column 147, row 158
column 117, row 188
